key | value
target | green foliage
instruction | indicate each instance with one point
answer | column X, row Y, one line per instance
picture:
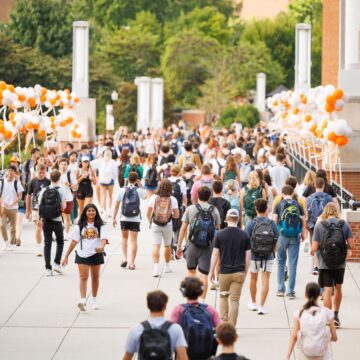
column 186, row 63
column 247, row 115
column 44, row 24
column 306, row 11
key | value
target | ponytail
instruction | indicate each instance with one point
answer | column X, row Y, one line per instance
column 312, row 292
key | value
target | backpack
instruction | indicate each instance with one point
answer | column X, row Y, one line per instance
column 249, row 149
column 135, row 168
column 176, row 192
column 316, row 207
column 174, row 147
column 162, row 211
column 2, row 186
column 208, row 184
column 249, row 199
column 263, row 239
column 196, row 322
column 189, row 184
column 290, row 223
column 202, row 229
column 234, row 202
column 151, row 178
column 27, row 170
column 131, row 202
column 333, row 246
column 155, row 343
column 314, row 335
column 50, row 205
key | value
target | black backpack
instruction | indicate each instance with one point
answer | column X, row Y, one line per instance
column 263, row 239
column 135, row 168
column 176, row 192
column 174, row 147
column 202, row 229
column 155, row 343
column 151, row 178
column 189, row 184
column 333, row 248
column 50, row 205
column 131, row 202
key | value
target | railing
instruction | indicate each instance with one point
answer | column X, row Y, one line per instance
column 301, row 166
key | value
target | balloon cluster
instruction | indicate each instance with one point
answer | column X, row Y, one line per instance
column 30, row 109
column 312, row 114
column 77, row 131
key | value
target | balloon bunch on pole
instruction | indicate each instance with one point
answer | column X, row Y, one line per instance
column 25, row 110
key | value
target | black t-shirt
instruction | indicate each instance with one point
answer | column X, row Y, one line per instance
column 34, row 188
column 232, row 243
column 223, row 207
column 232, row 356
column 310, row 189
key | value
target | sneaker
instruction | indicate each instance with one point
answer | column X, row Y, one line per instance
column 155, row 272
column 18, row 242
column 252, row 306
column 315, row 271
column 291, row 296
column 5, row 246
column 123, row 264
column 39, row 251
column 167, row 269
column 95, row 306
column 48, row 272
column 11, row 247
column 57, row 268
column 82, row 305
column 262, row 311
column 280, row 293
column 337, row 321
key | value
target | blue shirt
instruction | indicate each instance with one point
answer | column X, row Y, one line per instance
column 250, row 226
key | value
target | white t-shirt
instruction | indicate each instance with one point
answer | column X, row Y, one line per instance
column 181, row 183
column 279, row 174
column 91, row 239
column 9, row 193
column 73, row 167
column 108, row 170
column 174, row 204
column 150, row 146
column 120, row 196
column 64, row 178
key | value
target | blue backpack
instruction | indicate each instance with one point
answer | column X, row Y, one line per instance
column 131, row 202
column 196, row 322
column 290, row 223
column 202, row 229
column 315, row 207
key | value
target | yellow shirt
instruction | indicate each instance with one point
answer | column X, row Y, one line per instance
column 300, row 200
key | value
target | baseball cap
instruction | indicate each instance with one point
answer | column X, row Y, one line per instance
column 232, row 213
column 85, row 158
column 14, row 159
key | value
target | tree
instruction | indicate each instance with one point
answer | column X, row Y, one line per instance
column 247, row 115
column 306, row 11
column 44, row 24
column 186, row 62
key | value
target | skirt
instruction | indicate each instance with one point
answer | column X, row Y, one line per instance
column 96, row 259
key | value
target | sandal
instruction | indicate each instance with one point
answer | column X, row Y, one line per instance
column 131, row 267
column 123, row 264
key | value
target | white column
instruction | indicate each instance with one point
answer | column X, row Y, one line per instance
column 260, row 91
column 303, row 56
column 352, row 8
column 80, row 75
column 143, row 103
column 157, row 103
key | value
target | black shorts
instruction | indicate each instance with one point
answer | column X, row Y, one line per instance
column 329, row 278
column 130, row 226
column 96, row 259
column 84, row 193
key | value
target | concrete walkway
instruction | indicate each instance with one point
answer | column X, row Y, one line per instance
column 39, row 318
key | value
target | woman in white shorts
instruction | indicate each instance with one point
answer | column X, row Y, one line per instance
column 162, row 208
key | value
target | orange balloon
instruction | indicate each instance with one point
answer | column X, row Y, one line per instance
column 338, row 93
column 53, row 101
column 62, row 123
column 296, row 111
column 303, row 99
column 43, row 91
column 11, row 88
column 32, row 102
column 36, row 126
column 2, row 85
column 341, row 140
column 307, row 118
column 11, row 116
column 330, row 99
column 21, row 97
column 275, row 103
column 52, row 118
column 77, row 100
column 332, row 136
column 69, row 120
column 41, row 133
column 29, row 125
column 43, row 98
column 329, row 108
column 23, row 130
column 7, row 134
column 2, row 128
column 53, row 126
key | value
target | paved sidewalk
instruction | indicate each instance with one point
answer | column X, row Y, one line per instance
column 39, row 318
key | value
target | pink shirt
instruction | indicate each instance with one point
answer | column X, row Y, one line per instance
column 196, row 186
column 175, row 316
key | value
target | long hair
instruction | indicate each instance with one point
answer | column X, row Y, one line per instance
column 312, row 293
column 330, row 209
column 165, row 188
column 230, row 164
column 309, row 178
column 98, row 222
column 254, row 181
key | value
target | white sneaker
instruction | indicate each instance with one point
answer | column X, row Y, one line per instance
column 155, row 272
column 12, row 247
column 82, row 305
column 95, row 306
column 39, row 251
column 262, row 311
column 48, row 272
column 167, row 268
column 5, row 246
column 252, row 306
column 57, row 268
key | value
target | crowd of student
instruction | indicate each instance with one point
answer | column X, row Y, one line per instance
column 225, row 201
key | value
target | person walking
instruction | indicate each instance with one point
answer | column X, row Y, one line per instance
column 313, row 329
column 130, row 218
column 198, row 320
column 333, row 242
column 263, row 234
column 156, row 337
column 52, row 202
column 289, row 215
column 162, row 208
column 279, row 173
column 232, row 247
column 32, row 203
column 89, row 237
column 11, row 192
column 203, row 220
column 218, row 200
